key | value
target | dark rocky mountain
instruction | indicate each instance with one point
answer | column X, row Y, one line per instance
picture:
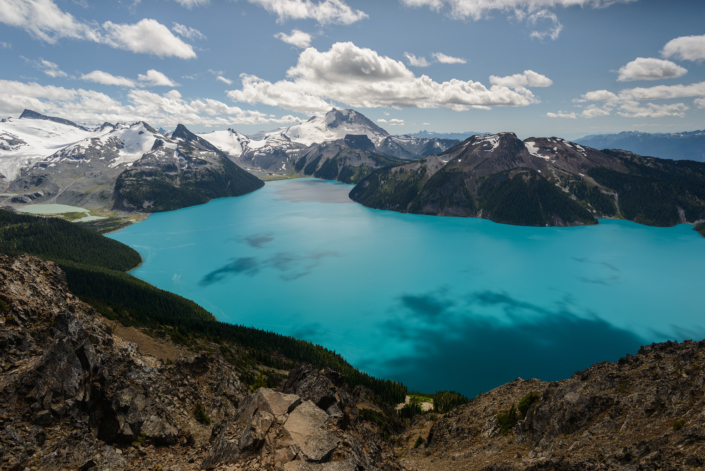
column 676, row 146
column 540, row 181
column 412, row 148
column 460, row 136
column 182, row 171
column 337, row 160
column 29, row 114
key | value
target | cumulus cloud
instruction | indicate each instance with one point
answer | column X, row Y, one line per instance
column 192, row 3
column 562, row 114
column 691, row 48
column 156, row 78
column 89, row 106
column 44, row 20
column 297, row 38
column 416, row 61
column 382, row 120
column 396, row 122
column 147, row 36
column 187, row 32
column 444, row 59
column 360, row 77
column 662, row 92
column 553, row 32
column 528, row 79
column 593, row 111
column 152, row 78
column 104, row 78
column 224, row 80
column 651, row 110
column 597, row 95
column 478, row 9
column 699, row 102
column 643, row 68
column 49, row 68
column 324, row 11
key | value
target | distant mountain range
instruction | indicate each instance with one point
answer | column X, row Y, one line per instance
column 675, row 146
column 540, row 182
column 447, row 135
column 128, row 168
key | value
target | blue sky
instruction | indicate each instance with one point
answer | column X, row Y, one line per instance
column 535, row 67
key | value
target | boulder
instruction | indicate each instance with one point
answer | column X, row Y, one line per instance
column 306, row 427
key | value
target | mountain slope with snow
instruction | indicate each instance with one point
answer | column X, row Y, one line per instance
column 676, row 146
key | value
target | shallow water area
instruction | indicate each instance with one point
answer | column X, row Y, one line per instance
column 439, row 303
column 51, row 209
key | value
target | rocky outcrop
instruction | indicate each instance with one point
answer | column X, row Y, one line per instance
column 644, row 412
column 312, row 425
column 68, row 384
column 75, row 396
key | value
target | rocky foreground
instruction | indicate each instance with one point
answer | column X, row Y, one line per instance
column 73, row 395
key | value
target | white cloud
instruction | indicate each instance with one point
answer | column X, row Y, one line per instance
column 651, row 110
column 396, row 122
column 157, row 79
column 360, row 77
column 699, row 102
column 187, row 32
column 597, row 95
column 5, row 45
column 416, row 61
column 44, row 20
column 477, row 9
column 594, row 111
column 147, row 36
column 426, row 124
column 662, row 92
column 562, row 114
column 224, row 80
column 382, row 120
column 528, row 79
column 88, row 106
column 104, row 78
column 691, row 48
column 555, row 29
column 49, row 68
column 443, row 59
column 192, row 3
column 296, row 38
column 324, row 12
column 643, row 68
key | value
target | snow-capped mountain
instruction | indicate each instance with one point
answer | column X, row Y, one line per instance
column 413, row 147
column 26, row 140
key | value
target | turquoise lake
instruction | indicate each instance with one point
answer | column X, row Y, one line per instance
column 438, row 303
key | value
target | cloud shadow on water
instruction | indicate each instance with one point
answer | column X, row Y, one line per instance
column 290, row 266
column 464, row 350
column 256, row 241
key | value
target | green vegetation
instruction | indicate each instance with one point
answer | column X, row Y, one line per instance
column 391, row 188
column 603, row 204
column 338, row 167
column 62, row 241
column 527, row 401
column 701, row 228
column 653, row 190
column 200, row 415
column 94, row 268
column 103, row 226
column 411, row 409
column 678, row 424
column 526, row 198
column 507, row 420
column 444, row 401
column 419, row 441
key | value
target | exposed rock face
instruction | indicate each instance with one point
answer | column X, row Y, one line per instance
column 316, row 429
column 84, row 390
column 643, row 412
